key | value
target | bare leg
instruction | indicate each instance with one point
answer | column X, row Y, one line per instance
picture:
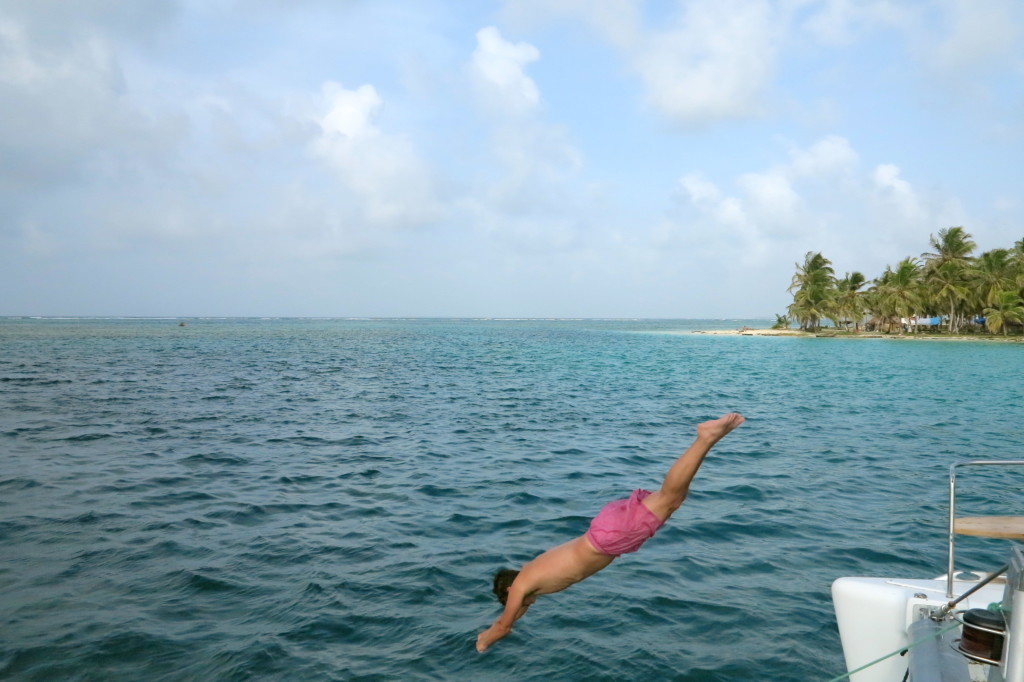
column 677, row 481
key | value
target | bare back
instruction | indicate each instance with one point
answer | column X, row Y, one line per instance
column 553, row 571
column 560, row 567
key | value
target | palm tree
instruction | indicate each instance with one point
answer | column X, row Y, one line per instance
column 947, row 286
column 900, row 289
column 947, row 281
column 952, row 254
column 816, row 270
column 781, row 322
column 878, row 302
column 1017, row 264
column 1007, row 309
column 875, row 306
column 809, row 306
column 849, row 298
column 813, row 283
column 953, row 245
column 991, row 275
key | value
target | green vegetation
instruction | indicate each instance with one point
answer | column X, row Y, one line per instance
column 969, row 294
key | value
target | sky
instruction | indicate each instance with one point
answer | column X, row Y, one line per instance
column 494, row 158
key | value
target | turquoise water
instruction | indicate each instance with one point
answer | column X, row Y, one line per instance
column 327, row 499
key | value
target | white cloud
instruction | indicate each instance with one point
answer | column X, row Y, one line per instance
column 841, row 22
column 978, row 33
column 54, row 22
column 770, row 194
column 497, row 66
column 619, row 21
column 708, row 221
column 700, row 190
column 530, row 200
column 897, row 192
column 133, row 158
column 61, row 106
column 829, row 156
column 773, row 203
column 820, row 198
column 715, row 64
column 71, row 134
column 393, row 186
column 713, row 61
column 527, row 199
column 351, row 111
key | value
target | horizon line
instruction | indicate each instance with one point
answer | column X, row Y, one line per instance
column 370, row 317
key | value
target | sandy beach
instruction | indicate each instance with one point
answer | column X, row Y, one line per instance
column 828, row 333
column 755, row 332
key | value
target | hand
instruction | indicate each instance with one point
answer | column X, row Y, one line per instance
column 489, row 636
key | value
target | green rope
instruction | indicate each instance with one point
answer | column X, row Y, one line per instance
column 898, row 651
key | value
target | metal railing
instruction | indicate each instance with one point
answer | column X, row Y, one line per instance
column 952, row 508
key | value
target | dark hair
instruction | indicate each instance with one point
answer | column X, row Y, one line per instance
column 503, row 580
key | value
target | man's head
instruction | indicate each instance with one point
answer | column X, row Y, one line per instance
column 503, row 580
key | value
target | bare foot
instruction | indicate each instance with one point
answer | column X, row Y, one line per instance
column 716, row 429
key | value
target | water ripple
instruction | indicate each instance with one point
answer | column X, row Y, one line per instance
column 251, row 499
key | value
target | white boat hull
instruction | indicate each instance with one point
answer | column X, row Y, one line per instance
column 873, row 615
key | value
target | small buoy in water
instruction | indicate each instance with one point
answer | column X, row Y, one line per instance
column 181, row 324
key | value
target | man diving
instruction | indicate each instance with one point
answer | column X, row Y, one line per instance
column 619, row 528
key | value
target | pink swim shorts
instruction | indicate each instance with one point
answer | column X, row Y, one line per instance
column 623, row 525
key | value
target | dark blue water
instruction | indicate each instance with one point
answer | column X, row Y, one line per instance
column 327, row 499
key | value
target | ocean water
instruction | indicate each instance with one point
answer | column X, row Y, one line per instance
column 328, row 499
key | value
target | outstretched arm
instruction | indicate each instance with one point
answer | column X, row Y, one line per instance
column 677, row 481
column 515, row 607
